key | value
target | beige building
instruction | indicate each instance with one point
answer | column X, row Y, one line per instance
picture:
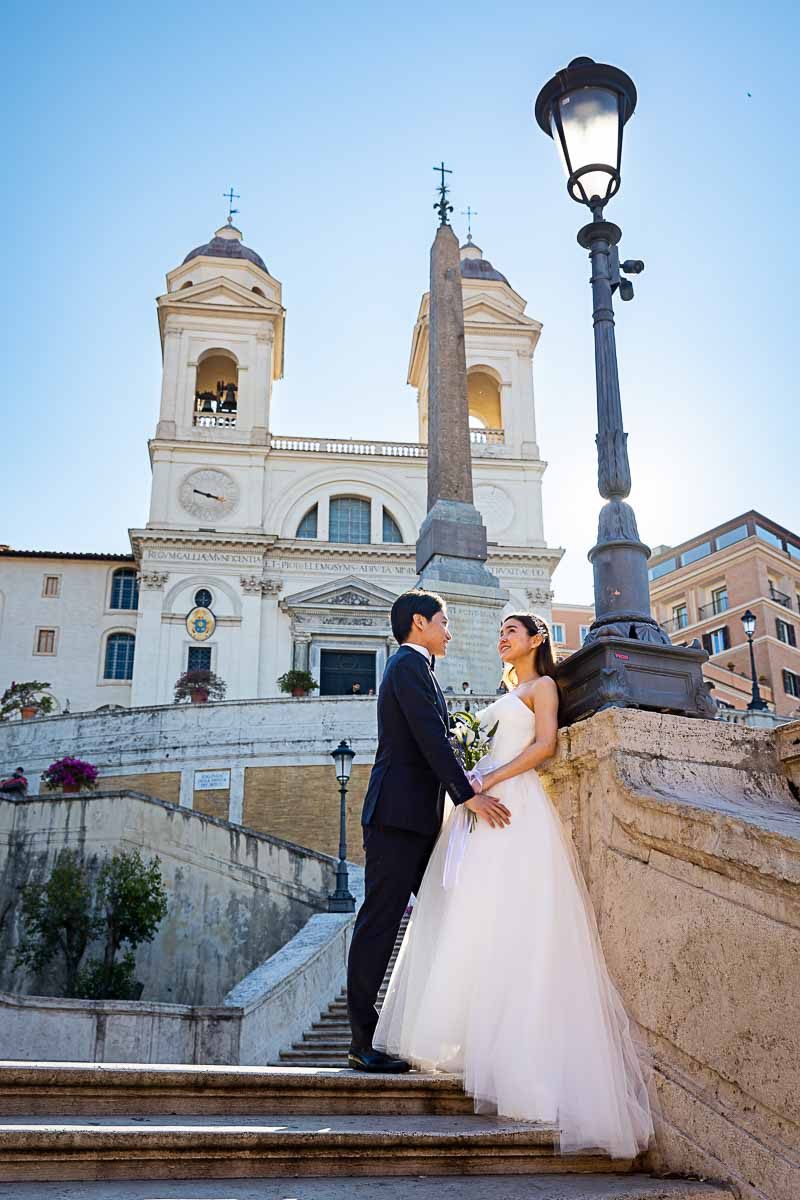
column 701, row 588
column 569, row 627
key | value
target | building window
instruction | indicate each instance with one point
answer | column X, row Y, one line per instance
column 349, row 520
column 767, row 535
column 119, row 656
column 785, row 632
column 791, row 683
column 45, row 641
column 52, row 585
column 695, row 552
column 199, row 658
column 583, row 632
column 680, row 616
column 308, row 526
column 717, row 640
column 391, row 530
column 125, row 589
column 663, row 568
column 792, row 551
column 557, row 629
column 730, row 536
column 203, row 598
column 719, row 599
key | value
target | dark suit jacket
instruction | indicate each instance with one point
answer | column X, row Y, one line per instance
column 415, row 762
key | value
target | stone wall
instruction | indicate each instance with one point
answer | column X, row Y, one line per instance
column 689, row 837
column 235, row 897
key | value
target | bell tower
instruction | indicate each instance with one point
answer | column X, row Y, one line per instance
column 221, row 323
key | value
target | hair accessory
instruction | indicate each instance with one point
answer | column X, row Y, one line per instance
column 541, row 628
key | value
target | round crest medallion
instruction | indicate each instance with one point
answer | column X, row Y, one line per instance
column 201, row 623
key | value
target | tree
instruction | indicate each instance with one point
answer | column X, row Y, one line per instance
column 64, row 915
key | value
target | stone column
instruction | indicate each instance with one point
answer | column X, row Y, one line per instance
column 451, row 548
column 300, row 652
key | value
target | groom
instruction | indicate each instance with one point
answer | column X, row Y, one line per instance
column 403, row 808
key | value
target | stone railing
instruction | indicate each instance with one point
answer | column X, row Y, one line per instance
column 305, row 445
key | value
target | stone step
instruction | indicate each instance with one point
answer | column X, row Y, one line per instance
column 109, row 1089
column 477, row 1187
column 313, row 1058
column 319, row 1038
column 275, row 1146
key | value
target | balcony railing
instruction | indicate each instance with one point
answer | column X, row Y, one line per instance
column 674, row 624
column 219, row 419
column 780, row 597
column 303, row 445
column 712, row 610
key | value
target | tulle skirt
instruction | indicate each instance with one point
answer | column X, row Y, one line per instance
column 501, row 979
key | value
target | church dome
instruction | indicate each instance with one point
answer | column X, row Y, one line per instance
column 475, row 266
column 227, row 243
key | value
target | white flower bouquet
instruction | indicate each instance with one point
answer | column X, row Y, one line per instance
column 471, row 744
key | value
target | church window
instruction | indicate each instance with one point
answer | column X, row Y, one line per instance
column 349, row 520
column 119, row 656
column 308, row 526
column 45, row 641
column 203, row 598
column 391, row 530
column 125, row 589
column 199, row 658
column 52, row 585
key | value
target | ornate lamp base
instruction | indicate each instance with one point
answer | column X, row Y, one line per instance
column 616, row 672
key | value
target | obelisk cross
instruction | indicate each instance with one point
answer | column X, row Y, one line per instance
column 441, row 205
column 469, row 213
column 230, row 197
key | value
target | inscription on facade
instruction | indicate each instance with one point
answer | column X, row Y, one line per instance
column 203, row 556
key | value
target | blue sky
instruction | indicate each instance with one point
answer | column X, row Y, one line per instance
column 127, row 125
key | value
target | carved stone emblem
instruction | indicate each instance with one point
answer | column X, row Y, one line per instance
column 153, row 580
column 349, row 597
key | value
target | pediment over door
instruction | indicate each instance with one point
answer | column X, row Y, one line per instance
column 345, row 602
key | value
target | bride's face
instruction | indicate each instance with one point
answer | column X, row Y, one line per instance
column 515, row 641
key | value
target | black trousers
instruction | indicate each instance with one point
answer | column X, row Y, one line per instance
column 395, row 863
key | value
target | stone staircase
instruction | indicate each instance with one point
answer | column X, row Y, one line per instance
column 326, row 1043
column 307, row 1117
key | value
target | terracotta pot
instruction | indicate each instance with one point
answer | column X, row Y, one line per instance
column 199, row 695
column 299, row 692
column 70, row 788
column 29, row 711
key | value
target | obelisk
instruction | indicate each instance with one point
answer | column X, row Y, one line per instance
column 451, row 548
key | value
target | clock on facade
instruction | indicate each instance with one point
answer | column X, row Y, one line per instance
column 208, row 493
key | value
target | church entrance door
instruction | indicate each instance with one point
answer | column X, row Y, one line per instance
column 340, row 669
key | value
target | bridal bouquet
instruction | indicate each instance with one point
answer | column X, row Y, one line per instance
column 472, row 744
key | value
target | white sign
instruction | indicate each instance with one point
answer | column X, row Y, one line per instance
column 211, row 781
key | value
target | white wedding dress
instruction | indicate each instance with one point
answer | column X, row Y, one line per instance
column 501, row 976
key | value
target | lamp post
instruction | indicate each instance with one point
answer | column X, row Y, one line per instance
column 585, row 108
column 342, row 900
column 757, row 704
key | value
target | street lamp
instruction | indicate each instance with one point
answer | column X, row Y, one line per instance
column 584, row 108
column 342, row 900
column 756, row 703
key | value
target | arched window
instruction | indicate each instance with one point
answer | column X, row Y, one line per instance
column 203, row 598
column 258, row 292
column 217, row 389
column 391, row 530
column 119, row 656
column 125, row 589
column 308, row 526
column 483, row 398
column 349, row 520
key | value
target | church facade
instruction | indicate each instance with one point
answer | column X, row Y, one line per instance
column 265, row 551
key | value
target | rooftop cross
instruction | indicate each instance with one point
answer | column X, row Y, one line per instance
column 230, row 197
column 441, row 204
column 469, row 213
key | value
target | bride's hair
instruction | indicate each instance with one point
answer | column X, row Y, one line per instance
column 543, row 662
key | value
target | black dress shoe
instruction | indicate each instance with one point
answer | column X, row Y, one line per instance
column 377, row 1061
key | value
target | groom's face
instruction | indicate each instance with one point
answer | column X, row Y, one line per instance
column 435, row 634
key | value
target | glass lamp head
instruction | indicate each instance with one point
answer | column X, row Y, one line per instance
column 584, row 108
column 343, row 757
column 749, row 622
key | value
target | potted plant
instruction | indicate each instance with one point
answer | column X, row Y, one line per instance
column 299, row 683
column 199, row 685
column 70, row 775
column 28, row 699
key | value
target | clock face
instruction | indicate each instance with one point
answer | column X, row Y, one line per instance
column 208, row 493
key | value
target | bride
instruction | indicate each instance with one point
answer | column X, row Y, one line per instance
column 501, row 976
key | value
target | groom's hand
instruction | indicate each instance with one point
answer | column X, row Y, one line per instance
column 489, row 810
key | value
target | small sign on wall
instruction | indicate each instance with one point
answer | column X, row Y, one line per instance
column 211, row 781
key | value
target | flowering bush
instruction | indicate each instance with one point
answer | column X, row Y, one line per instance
column 72, row 772
column 200, row 680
